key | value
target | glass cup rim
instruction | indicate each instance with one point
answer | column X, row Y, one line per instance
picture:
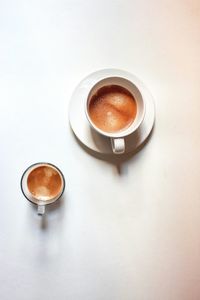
column 42, row 202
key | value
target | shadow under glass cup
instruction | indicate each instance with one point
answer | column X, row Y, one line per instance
column 42, row 184
column 114, row 106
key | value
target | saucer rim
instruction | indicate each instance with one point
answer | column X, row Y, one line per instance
column 89, row 81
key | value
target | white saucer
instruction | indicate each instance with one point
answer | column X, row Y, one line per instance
column 79, row 123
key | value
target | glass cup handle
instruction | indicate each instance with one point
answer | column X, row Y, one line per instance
column 41, row 210
column 118, row 145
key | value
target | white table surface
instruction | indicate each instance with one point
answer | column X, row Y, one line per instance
column 133, row 235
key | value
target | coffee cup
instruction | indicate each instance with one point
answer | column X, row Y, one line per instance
column 42, row 184
column 115, row 108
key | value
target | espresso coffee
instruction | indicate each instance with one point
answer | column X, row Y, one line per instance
column 113, row 108
column 44, row 183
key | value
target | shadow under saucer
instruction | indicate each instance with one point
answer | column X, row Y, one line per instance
column 105, row 143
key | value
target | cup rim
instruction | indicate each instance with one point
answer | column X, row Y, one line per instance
column 42, row 202
column 124, row 132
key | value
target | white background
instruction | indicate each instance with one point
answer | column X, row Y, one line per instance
column 133, row 235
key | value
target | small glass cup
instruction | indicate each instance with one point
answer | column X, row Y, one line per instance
column 42, row 184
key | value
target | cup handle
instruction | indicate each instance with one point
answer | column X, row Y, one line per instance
column 41, row 210
column 118, row 145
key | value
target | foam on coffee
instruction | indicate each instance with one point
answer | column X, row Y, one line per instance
column 44, row 183
column 112, row 108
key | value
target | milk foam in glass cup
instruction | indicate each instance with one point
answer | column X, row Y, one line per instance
column 42, row 184
column 117, row 113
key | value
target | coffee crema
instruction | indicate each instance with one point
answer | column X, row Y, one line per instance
column 113, row 108
column 44, row 183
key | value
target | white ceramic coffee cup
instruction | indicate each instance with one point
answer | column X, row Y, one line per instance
column 41, row 203
column 118, row 138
